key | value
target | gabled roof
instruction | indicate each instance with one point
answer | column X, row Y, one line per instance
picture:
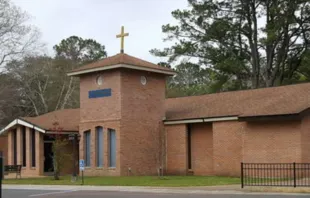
column 283, row 100
column 121, row 60
column 67, row 119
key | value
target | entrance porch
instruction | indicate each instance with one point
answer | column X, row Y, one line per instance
column 33, row 150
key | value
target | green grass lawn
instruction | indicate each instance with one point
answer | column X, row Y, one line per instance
column 169, row 181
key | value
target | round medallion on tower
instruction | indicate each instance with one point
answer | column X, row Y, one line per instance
column 143, row 80
column 99, row 80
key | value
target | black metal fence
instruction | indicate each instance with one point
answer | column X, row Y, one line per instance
column 275, row 174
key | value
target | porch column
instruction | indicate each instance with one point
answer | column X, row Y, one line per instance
column 28, row 148
column 10, row 148
column 19, row 147
column 39, row 153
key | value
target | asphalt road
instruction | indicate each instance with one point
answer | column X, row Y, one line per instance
column 105, row 194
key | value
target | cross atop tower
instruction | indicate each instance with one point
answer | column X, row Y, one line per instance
column 122, row 36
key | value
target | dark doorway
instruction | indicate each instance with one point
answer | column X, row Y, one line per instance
column 48, row 157
column 189, row 145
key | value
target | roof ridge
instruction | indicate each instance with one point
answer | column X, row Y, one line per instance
column 51, row 112
column 121, row 60
column 145, row 61
column 243, row 90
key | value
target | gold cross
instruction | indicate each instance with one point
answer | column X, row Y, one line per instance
column 122, row 36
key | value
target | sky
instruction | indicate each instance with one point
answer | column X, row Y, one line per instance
column 102, row 20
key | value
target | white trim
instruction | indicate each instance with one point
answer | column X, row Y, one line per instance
column 183, row 121
column 200, row 120
column 13, row 123
column 23, row 123
column 26, row 124
column 220, row 119
column 39, row 129
column 120, row 66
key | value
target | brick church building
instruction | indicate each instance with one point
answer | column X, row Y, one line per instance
column 126, row 126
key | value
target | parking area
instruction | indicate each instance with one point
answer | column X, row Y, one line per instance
column 12, row 193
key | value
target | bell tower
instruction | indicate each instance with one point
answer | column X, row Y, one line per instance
column 126, row 94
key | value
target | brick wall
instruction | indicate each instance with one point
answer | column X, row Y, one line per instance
column 234, row 142
column 215, row 148
column 134, row 110
column 10, row 147
column 28, row 170
column 176, row 150
column 305, row 140
column 106, row 108
column 39, row 167
column 104, row 112
column 105, row 170
column 202, row 149
column 4, row 147
column 227, row 147
column 142, row 110
column 274, row 141
column 254, row 142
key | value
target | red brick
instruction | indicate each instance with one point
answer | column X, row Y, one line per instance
column 176, row 150
column 202, row 149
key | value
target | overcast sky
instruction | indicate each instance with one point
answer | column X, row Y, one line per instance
column 102, row 19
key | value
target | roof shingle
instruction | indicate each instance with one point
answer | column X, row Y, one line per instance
column 121, row 58
column 291, row 99
column 283, row 100
column 67, row 119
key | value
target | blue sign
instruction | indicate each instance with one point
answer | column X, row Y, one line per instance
column 100, row 93
column 82, row 165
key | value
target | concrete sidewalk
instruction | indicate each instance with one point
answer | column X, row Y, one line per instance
column 225, row 189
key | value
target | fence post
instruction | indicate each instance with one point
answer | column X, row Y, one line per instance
column 294, row 166
column 242, row 185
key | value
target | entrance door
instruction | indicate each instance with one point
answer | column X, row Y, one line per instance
column 48, row 157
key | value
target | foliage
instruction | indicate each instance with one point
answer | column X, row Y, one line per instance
column 80, row 50
column 243, row 43
column 39, row 84
column 190, row 80
column 43, row 84
column 11, row 103
column 17, row 38
column 60, row 155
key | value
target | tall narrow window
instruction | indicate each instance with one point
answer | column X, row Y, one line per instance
column 33, row 148
column 99, row 146
column 24, row 145
column 112, row 148
column 87, row 148
column 15, row 147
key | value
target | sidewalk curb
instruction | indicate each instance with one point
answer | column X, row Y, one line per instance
column 138, row 189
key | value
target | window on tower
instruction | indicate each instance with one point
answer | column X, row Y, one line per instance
column 87, row 143
column 112, row 148
column 99, row 146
